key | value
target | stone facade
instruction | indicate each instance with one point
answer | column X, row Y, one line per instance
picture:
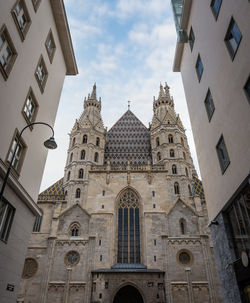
column 128, row 222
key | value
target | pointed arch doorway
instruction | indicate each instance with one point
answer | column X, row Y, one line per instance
column 128, row 294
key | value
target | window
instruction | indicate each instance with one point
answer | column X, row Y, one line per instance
column 74, row 230
column 153, row 193
column 68, row 176
column 78, row 193
column 154, row 242
column 182, row 141
column 158, row 156
column 170, row 139
column 18, row 150
column 83, row 154
column 199, row 68
column 209, row 104
column 37, row 224
column 185, row 257
column 183, row 226
column 21, row 17
column 85, row 139
column 190, row 191
column 128, row 228
column 171, row 153
column 191, row 39
column 8, row 53
column 50, row 46
column 247, row 89
column 154, row 205
column 222, row 154
column 100, row 242
column 157, row 141
column 233, row 38
column 73, row 142
column 80, row 174
column 72, row 258
column 36, row 4
column 174, row 169
column 184, row 156
column 100, row 257
column 7, row 212
column 41, row 74
column 215, row 7
column 102, row 206
column 97, row 141
column 155, row 258
column 176, row 188
column 71, row 157
column 103, row 193
column 186, row 171
column 96, row 157
column 30, row 107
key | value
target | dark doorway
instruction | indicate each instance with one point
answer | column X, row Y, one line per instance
column 128, row 294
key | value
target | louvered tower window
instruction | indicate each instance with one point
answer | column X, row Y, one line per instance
column 128, row 228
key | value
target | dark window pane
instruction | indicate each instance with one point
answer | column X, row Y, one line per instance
column 247, row 89
column 233, row 38
column 191, row 39
column 199, row 67
column 215, row 6
column 209, row 104
column 222, row 154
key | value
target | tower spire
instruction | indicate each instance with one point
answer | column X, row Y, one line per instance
column 93, row 94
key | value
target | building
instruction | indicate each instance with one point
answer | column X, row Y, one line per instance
column 212, row 54
column 128, row 222
column 35, row 55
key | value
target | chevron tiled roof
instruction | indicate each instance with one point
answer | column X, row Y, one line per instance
column 54, row 190
column 198, row 187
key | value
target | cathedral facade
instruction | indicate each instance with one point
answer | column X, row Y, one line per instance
column 128, row 221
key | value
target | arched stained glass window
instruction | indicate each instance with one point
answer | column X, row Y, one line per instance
column 128, row 228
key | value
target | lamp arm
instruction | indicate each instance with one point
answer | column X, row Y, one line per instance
column 14, row 153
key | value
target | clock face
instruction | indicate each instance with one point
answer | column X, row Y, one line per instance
column 72, row 258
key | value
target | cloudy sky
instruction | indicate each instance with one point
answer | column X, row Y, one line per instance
column 127, row 47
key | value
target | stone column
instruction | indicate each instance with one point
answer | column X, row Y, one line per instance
column 66, row 287
column 168, row 292
column 190, row 287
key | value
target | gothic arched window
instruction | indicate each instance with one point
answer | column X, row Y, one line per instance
column 83, row 154
column 157, row 141
column 184, row 156
column 71, row 157
column 186, row 170
column 174, row 169
column 183, row 226
column 85, row 139
column 158, row 156
column 73, row 141
column 128, row 228
column 171, row 153
column 96, row 157
column 97, row 141
column 80, row 173
column 68, row 176
column 74, row 229
column 170, row 139
column 78, row 193
column 182, row 141
column 176, row 188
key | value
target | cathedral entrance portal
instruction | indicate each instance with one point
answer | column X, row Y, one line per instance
column 128, row 294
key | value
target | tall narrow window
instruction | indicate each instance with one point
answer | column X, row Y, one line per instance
column 176, row 188
column 170, row 139
column 73, row 142
column 68, row 176
column 222, row 154
column 233, row 38
column 71, row 157
column 41, row 74
column 97, row 141
column 186, row 171
column 83, row 154
column 96, row 157
column 50, row 46
column 182, row 141
column 209, row 104
column 153, row 193
column 191, row 38
column 184, row 156
column 37, row 224
column 85, row 139
column 190, row 191
column 128, row 228
column 174, row 169
column 158, row 156
column 19, row 147
column 74, row 229
column 157, row 141
column 7, row 212
column 78, row 193
column 215, row 7
column 8, row 52
column 30, row 107
column 21, row 17
column 80, row 174
column 199, row 68
column 171, row 153
column 183, row 226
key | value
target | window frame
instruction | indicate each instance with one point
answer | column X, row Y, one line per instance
column 207, row 104
column 199, row 74
column 43, row 84
column 230, row 49
column 216, row 14
column 222, row 166
column 247, row 84
column 191, row 41
column 50, row 55
column 17, row 169
column 22, row 32
column 37, row 224
column 6, row 220
column 36, row 107
column 6, row 71
column 36, row 4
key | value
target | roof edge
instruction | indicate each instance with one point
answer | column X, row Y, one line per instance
column 63, row 31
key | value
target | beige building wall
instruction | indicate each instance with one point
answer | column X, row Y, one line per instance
column 23, row 186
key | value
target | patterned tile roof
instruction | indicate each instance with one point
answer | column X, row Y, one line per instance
column 54, row 190
column 198, row 187
column 128, row 139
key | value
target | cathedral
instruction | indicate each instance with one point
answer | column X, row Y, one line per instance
column 128, row 221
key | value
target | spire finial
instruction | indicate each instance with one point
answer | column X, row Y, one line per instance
column 93, row 94
column 129, row 105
